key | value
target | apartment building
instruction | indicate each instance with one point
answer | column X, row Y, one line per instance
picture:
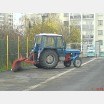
column 88, row 30
column 6, row 19
column 91, row 26
column 99, row 32
column 85, row 22
column 64, row 17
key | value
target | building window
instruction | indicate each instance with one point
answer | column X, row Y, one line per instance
column 66, row 14
column 101, row 42
column 66, row 23
column 100, row 32
column 100, row 22
column 86, row 16
column 75, row 17
column 88, row 22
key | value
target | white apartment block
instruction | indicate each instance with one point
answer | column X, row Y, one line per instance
column 6, row 19
column 88, row 30
column 99, row 31
column 91, row 27
column 85, row 22
column 65, row 18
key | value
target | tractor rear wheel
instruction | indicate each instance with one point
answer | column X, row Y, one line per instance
column 67, row 63
column 48, row 59
column 77, row 63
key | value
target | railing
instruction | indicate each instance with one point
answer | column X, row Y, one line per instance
column 11, row 49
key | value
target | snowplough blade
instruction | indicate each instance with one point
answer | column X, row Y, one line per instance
column 16, row 66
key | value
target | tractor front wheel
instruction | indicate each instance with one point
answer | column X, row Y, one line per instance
column 48, row 59
column 77, row 62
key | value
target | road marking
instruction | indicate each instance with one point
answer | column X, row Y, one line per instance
column 54, row 77
column 88, row 61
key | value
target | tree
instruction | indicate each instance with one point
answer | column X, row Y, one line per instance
column 52, row 24
column 75, row 35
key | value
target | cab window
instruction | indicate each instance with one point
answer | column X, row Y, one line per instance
column 38, row 39
column 49, row 41
column 59, row 42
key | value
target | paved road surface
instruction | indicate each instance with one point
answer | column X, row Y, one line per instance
column 89, row 77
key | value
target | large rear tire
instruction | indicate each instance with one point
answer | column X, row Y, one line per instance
column 48, row 59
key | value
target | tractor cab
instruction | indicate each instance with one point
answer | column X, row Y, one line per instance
column 50, row 41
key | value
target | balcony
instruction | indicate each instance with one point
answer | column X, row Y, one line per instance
column 89, row 16
column 88, row 37
column 75, row 17
column 66, row 14
column 87, row 27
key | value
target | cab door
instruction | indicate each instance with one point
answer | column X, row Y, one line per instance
column 60, row 47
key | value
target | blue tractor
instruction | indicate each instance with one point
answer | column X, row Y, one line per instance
column 51, row 48
column 48, row 50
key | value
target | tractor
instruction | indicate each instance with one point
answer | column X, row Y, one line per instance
column 47, row 51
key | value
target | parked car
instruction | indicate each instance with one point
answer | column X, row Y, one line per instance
column 91, row 52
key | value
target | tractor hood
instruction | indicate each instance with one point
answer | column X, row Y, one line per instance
column 72, row 51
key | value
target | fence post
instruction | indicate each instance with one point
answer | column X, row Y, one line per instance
column 27, row 47
column 7, row 53
column 18, row 46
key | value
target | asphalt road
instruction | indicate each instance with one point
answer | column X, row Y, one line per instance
column 89, row 77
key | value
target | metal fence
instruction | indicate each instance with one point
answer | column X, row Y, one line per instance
column 10, row 49
column 88, row 50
